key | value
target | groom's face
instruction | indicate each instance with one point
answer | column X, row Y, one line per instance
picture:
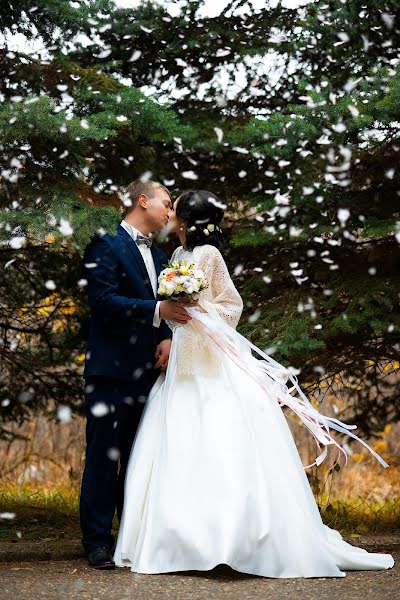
column 158, row 209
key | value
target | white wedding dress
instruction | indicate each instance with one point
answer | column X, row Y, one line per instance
column 214, row 475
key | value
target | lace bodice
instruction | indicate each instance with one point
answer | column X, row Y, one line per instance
column 221, row 292
column 220, row 298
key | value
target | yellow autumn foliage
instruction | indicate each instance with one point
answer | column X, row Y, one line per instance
column 46, row 308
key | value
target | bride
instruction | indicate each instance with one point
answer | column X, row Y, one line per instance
column 214, row 476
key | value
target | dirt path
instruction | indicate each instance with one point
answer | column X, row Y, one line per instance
column 72, row 579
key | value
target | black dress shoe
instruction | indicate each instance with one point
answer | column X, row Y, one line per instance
column 101, row 558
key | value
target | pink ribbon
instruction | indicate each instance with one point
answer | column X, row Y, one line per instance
column 269, row 372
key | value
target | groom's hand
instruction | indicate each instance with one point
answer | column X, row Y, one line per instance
column 170, row 310
column 187, row 301
column 162, row 354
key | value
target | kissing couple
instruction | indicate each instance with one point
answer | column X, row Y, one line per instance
column 186, row 437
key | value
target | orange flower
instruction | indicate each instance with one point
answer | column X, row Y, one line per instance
column 170, row 276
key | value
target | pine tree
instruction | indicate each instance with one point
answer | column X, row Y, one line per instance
column 309, row 152
column 70, row 137
column 304, row 155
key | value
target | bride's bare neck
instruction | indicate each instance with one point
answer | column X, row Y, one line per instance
column 182, row 236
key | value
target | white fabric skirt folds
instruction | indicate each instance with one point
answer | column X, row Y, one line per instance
column 214, row 477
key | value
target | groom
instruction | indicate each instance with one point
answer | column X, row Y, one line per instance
column 128, row 344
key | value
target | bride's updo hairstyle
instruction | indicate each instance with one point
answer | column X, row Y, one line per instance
column 201, row 212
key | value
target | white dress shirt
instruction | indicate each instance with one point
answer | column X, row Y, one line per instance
column 149, row 264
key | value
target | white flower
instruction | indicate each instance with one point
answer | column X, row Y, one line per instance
column 169, row 288
column 181, row 278
column 211, row 227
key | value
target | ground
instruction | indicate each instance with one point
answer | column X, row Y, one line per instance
column 62, row 580
column 25, row 574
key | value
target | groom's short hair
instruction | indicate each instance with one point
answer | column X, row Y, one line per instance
column 138, row 187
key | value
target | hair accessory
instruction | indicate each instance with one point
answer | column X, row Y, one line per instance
column 211, row 227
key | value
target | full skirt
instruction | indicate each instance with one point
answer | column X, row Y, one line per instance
column 215, row 477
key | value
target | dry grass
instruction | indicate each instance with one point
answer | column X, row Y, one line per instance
column 361, row 516
column 39, row 513
column 40, row 480
column 45, row 514
column 362, row 497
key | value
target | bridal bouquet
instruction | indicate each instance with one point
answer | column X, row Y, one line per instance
column 181, row 279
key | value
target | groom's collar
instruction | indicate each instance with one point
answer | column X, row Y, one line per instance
column 133, row 232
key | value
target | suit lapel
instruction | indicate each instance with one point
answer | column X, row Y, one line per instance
column 156, row 259
column 137, row 256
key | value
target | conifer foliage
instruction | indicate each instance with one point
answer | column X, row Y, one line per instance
column 290, row 115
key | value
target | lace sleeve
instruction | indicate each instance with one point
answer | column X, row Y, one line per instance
column 221, row 296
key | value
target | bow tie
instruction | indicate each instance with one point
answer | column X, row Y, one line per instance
column 144, row 239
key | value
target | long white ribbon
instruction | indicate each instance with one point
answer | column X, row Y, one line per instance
column 269, row 372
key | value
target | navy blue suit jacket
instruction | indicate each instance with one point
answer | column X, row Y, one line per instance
column 122, row 339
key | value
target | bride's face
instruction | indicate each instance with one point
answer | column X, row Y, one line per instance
column 174, row 223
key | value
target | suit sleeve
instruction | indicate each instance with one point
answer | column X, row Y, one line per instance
column 164, row 332
column 100, row 268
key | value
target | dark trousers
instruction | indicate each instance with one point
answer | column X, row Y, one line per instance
column 113, row 413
